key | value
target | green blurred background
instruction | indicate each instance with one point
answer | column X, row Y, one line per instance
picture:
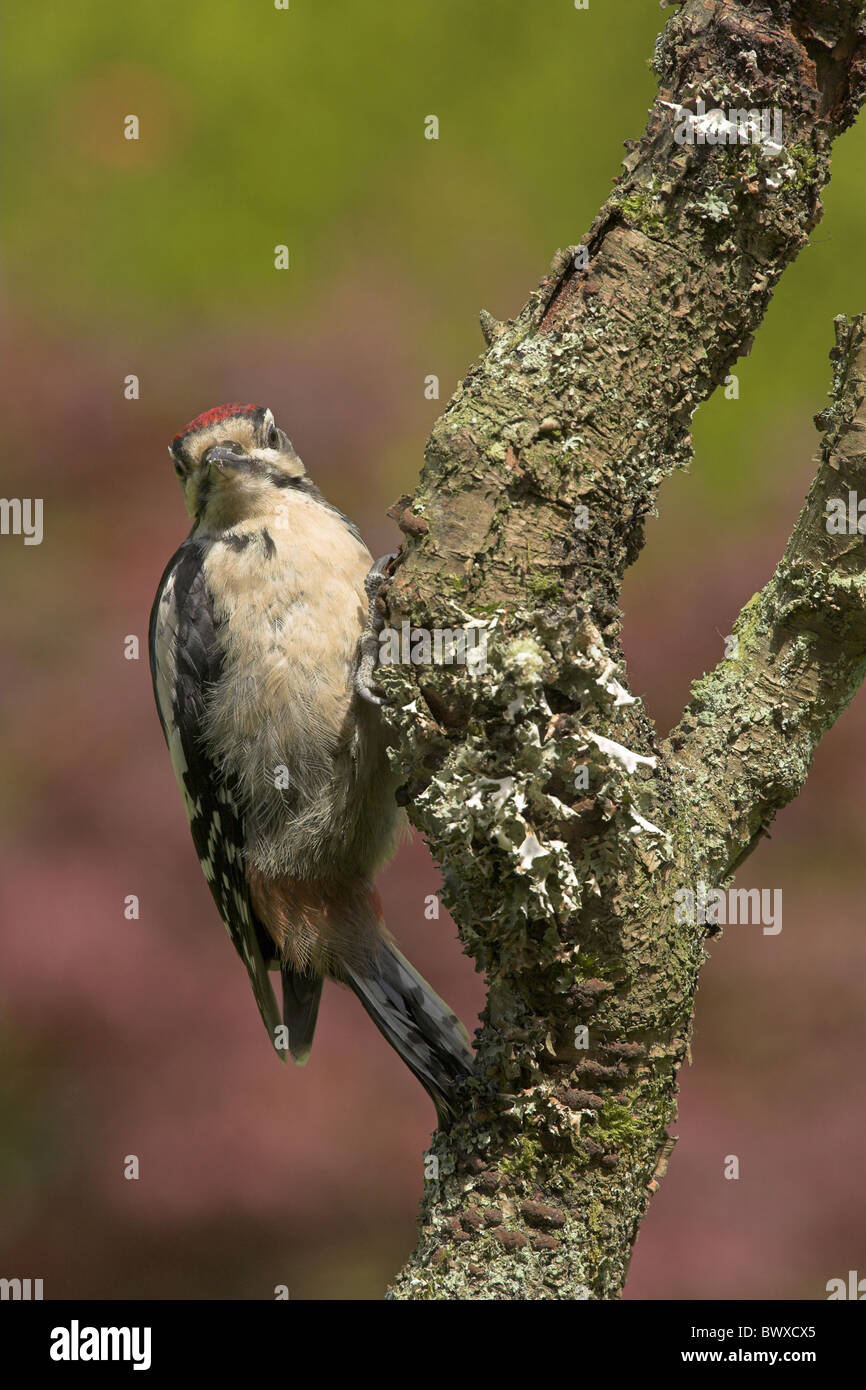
column 155, row 257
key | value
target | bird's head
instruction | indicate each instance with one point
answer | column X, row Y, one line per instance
column 233, row 462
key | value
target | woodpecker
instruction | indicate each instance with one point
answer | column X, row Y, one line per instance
column 260, row 641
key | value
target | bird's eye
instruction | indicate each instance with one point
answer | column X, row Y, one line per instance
column 273, row 437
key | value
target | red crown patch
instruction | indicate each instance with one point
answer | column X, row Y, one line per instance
column 213, row 417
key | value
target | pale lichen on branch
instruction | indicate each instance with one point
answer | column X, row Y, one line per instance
column 563, row 826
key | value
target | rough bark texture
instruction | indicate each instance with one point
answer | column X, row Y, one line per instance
column 564, row 827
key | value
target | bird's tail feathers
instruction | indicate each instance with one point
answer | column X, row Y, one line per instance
column 301, row 995
column 323, row 930
column 418, row 1024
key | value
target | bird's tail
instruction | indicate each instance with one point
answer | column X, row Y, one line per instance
column 301, row 995
column 416, row 1022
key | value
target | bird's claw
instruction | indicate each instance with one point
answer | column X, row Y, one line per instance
column 368, row 645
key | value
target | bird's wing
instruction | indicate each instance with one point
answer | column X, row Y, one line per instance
column 185, row 659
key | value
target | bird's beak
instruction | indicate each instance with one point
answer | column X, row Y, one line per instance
column 227, row 460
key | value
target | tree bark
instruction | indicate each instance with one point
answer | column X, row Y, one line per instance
column 565, row 828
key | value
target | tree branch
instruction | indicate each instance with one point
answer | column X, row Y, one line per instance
column 745, row 744
column 562, row 828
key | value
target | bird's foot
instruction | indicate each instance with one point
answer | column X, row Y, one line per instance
column 369, row 641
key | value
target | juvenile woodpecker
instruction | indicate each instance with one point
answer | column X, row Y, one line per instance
column 260, row 642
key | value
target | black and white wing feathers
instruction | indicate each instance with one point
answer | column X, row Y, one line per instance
column 185, row 660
